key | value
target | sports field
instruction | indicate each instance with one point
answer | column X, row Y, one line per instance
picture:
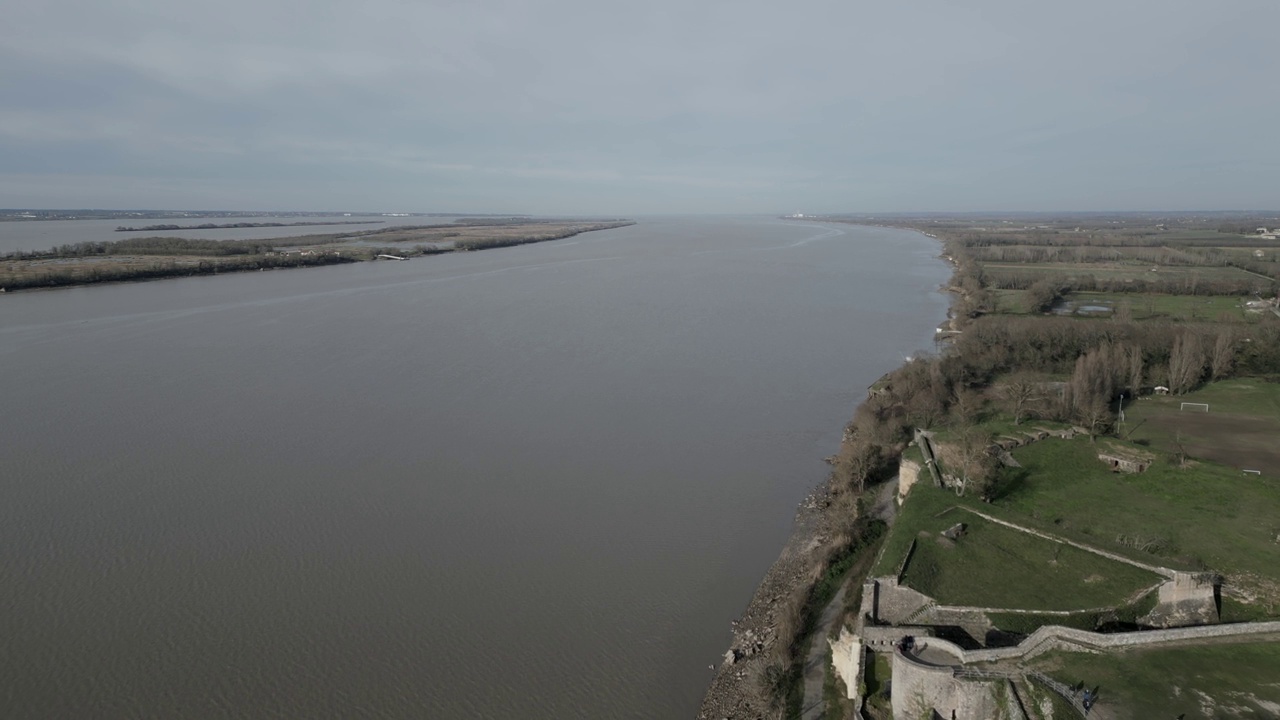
column 1240, row 429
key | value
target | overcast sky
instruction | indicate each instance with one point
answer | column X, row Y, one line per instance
column 567, row 106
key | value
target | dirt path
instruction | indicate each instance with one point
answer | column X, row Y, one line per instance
column 815, row 663
column 813, row 706
column 886, row 504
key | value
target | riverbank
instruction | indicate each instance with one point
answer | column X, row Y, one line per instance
column 763, row 634
column 754, row 679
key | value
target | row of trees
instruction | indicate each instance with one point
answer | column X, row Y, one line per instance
column 1108, row 238
column 487, row 243
column 1089, row 254
column 1102, row 361
column 1168, row 284
column 169, row 246
column 63, row 275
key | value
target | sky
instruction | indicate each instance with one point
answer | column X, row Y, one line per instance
column 661, row 106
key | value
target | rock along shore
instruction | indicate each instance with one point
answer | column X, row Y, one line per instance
column 737, row 690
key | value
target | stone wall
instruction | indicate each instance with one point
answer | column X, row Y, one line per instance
column 972, row 620
column 919, row 688
column 908, row 475
column 895, row 604
column 1053, row 637
column 1187, row 599
column 846, row 659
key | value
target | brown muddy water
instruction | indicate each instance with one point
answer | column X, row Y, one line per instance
column 535, row 482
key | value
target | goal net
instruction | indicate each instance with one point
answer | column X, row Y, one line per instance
column 1198, row 407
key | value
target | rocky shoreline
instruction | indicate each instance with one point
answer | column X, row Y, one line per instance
column 738, row 689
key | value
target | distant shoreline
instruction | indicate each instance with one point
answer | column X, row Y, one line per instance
column 227, row 226
column 157, row 258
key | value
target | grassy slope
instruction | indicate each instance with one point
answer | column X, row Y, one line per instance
column 1208, row 515
column 1167, row 683
column 994, row 566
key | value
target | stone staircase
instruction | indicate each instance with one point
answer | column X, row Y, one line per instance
column 919, row 613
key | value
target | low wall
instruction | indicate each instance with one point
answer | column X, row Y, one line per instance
column 908, row 475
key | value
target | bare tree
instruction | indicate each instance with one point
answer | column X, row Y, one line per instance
column 1134, row 381
column 1224, row 355
column 1042, row 296
column 855, row 464
column 1096, row 417
column 1021, row 392
column 970, row 457
column 1094, row 378
column 925, row 409
column 1186, row 363
column 967, row 406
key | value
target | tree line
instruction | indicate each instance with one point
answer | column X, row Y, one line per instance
column 63, row 275
column 168, row 246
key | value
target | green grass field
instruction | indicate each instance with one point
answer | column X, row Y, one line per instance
column 1142, row 306
column 1206, row 516
column 995, row 566
column 1119, row 271
column 1240, row 429
column 1203, row 517
column 1237, row 680
column 1150, row 306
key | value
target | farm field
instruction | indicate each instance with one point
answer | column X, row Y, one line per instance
column 1142, row 306
column 1120, row 271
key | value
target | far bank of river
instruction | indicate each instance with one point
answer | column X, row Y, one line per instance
column 154, row 258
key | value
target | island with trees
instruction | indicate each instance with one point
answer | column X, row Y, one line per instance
column 164, row 257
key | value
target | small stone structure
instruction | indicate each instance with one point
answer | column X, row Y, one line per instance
column 1125, row 459
column 1187, row 599
column 1121, row 463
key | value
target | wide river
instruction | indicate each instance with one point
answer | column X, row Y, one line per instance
column 534, row 482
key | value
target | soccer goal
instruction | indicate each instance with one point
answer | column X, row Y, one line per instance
column 1202, row 407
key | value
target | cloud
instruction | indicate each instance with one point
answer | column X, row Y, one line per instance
column 560, row 104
